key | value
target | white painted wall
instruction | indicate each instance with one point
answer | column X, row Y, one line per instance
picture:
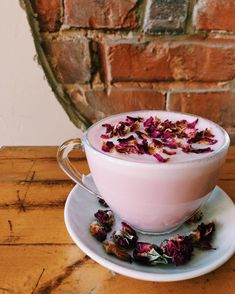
column 29, row 112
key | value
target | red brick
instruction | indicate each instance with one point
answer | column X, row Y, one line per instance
column 216, row 106
column 123, row 100
column 95, row 14
column 70, row 60
column 171, row 60
column 48, row 13
column 215, row 15
column 165, row 15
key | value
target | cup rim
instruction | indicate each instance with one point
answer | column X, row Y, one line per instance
column 209, row 156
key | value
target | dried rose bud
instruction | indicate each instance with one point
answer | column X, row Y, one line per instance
column 195, row 218
column 128, row 229
column 102, row 202
column 201, row 237
column 98, row 231
column 111, row 248
column 149, row 254
column 123, row 240
column 126, row 237
column 179, row 249
column 105, row 217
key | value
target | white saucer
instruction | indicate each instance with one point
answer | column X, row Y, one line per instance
column 79, row 213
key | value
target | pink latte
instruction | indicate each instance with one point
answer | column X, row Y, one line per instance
column 148, row 194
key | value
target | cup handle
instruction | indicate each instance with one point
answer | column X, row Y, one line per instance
column 66, row 165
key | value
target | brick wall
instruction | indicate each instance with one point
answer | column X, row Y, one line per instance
column 111, row 56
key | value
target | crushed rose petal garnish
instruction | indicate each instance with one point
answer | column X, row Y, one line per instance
column 151, row 136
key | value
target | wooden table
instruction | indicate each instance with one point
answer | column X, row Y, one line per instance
column 36, row 252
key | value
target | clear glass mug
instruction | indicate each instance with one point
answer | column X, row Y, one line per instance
column 153, row 198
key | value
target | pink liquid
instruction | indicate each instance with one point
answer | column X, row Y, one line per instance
column 153, row 196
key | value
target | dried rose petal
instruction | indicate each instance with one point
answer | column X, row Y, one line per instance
column 143, row 147
column 167, row 135
column 134, row 119
column 168, row 152
column 130, row 140
column 111, row 248
column 105, row 217
column 109, row 128
column 202, row 150
column 187, row 148
column 179, row 249
column 142, row 135
column 126, row 149
column 121, row 129
column 201, row 237
column 157, row 143
column 107, row 146
column 155, row 134
column 152, row 149
column 149, row 254
column 172, row 144
column 207, row 141
column 102, row 202
column 109, row 131
column 181, row 124
column 160, row 158
column 148, row 122
column 105, row 136
column 208, row 133
column 192, row 124
column 98, row 231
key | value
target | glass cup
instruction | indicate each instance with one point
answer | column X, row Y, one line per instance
column 152, row 197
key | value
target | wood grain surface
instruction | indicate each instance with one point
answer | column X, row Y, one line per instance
column 36, row 252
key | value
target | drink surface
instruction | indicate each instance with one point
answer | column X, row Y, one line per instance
column 186, row 150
